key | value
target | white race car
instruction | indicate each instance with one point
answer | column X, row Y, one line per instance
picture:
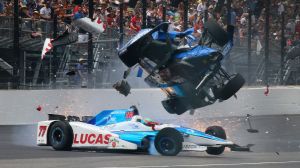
column 125, row 129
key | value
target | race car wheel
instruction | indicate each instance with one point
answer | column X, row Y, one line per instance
column 218, row 132
column 175, row 106
column 231, row 87
column 61, row 136
column 168, row 142
column 218, row 34
column 145, row 144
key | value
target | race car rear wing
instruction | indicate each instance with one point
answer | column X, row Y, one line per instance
column 69, row 118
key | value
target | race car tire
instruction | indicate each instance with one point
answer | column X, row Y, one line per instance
column 145, row 144
column 218, row 34
column 61, row 136
column 231, row 87
column 175, row 106
column 168, row 142
column 218, row 132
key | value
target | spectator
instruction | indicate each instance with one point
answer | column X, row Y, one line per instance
column 8, row 9
column 110, row 18
column 36, row 25
column 68, row 14
column 231, row 24
column 201, row 7
column 291, row 25
column 80, row 72
column 79, row 14
column 82, row 34
column 24, row 12
column 297, row 27
column 1, row 7
column 152, row 20
column 135, row 23
column 45, row 12
column 198, row 26
column 99, row 16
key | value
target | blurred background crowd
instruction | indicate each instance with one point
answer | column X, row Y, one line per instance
column 107, row 11
column 42, row 19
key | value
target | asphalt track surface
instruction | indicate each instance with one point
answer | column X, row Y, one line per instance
column 276, row 145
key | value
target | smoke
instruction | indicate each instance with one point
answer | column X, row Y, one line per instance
column 23, row 135
column 152, row 150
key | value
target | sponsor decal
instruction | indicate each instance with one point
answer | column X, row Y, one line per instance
column 91, row 138
column 133, row 126
column 129, row 114
column 189, row 146
column 111, row 126
column 42, row 130
column 113, row 144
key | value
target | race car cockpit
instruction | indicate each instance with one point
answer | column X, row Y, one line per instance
column 146, row 121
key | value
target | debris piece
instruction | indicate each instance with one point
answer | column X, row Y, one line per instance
column 39, row 108
column 250, row 129
column 123, row 87
column 267, row 91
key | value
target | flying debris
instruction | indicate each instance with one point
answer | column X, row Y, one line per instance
column 267, row 91
column 250, row 129
column 71, row 73
column 89, row 26
column 39, row 108
column 123, row 87
column 293, row 52
column 64, row 39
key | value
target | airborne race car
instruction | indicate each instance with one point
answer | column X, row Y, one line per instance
column 126, row 130
column 192, row 77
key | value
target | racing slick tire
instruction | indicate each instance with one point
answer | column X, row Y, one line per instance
column 218, row 34
column 168, row 142
column 231, row 87
column 175, row 106
column 61, row 136
column 219, row 132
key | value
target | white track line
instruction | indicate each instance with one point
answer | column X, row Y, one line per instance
column 213, row 165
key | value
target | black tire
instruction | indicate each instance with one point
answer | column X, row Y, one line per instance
column 61, row 136
column 144, row 145
column 231, row 87
column 175, row 106
column 168, row 142
column 218, row 34
column 219, row 132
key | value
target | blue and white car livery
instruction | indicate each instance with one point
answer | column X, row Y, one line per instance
column 125, row 129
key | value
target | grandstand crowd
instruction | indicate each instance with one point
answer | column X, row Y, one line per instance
column 107, row 11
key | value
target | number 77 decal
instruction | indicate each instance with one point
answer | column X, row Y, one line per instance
column 42, row 130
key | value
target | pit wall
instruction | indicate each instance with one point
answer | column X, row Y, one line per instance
column 20, row 106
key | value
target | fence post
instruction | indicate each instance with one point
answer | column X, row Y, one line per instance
column 144, row 13
column 206, row 11
column 185, row 14
column 121, row 6
column 54, row 53
column 282, row 47
column 164, row 2
column 249, row 45
column 90, row 47
column 16, row 46
column 267, row 27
